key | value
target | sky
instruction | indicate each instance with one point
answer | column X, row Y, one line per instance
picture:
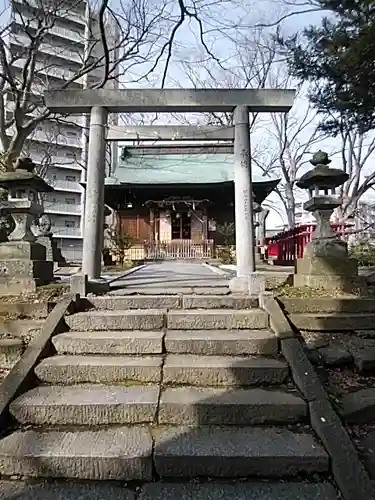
column 229, row 23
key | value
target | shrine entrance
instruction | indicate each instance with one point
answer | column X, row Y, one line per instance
column 181, row 226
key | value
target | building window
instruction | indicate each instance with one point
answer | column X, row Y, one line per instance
column 70, row 223
column 71, row 178
column 70, row 201
column 71, row 133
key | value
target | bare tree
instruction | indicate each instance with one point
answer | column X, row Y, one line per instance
column 292, row 138
column 127, row 45
column 254, row 58
column 358, row 157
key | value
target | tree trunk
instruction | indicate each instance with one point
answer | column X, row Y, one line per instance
column 290, row 204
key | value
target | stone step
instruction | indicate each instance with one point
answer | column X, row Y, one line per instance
column 124, row 302
column 222, row 342
column 219, row 302
column 137, row 319
column 274, row 490
column 328, row 305
column 217, row 319
column 219, row 406
column 22, row 328
column 122, row 453
column 269, row 490
column 333, row 321
column 107, row 342
column 188, row 452
column 172, row 290
column 87, row 405
column 67, row 370
column 186, row 369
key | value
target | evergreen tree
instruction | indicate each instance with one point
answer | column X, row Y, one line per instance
column 337, row 58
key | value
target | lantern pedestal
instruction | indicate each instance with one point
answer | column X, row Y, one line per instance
column 326, row 263
column 23, row 264
column 23, row 267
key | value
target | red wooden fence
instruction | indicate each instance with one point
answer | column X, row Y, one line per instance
column 286, row 247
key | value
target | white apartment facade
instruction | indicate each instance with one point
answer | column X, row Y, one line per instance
column 60, row 149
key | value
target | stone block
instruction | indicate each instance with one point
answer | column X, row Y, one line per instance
column 367, row 445
column 240, row 491
column 303, row 373
column 122, row 453
column 186, row 452
column 326, row 266
column 335, row 354
column 220, row 406
column 328, row 305
column 217, row 319
column 113, row 303
column 10, row 352
column 86, row 405
column 219, row 302
column 363, row 352
column 116, row 342
column 151, row 319
column 223, row 371
column 346, row 284
column 99, row 369
column 17, row 286
column 79, row 284
column 22, row 250
column 347, row 468
column 257, row 283
column 41, row 271
column 26, row 309
column 331, row 322
column 19, row 490
column 358, row 407
column 221, row 342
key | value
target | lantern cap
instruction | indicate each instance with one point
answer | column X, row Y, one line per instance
column 322, row 176
column 24, row 177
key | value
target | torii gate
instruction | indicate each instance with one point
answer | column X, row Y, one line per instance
column 101, row 102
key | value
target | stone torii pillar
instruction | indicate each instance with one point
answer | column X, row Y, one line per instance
column 243, row 196
column 94, row 206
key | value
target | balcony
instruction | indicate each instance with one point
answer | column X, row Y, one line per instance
column 60, row 139
column 51, row 71
column 77, row 17
column 65, row 185
column 55, row 30
column 66, row 232
column 57, row 161
column 62, row 208
column 50, row 50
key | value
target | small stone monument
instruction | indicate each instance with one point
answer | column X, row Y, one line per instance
column 44, row 236
column 23, row 263
column 257, row 208
column 325, row 262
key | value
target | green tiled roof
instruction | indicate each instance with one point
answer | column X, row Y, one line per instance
column 168, row 169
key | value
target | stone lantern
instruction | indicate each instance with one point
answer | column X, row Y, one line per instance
column 23, row 263
column 325, row 262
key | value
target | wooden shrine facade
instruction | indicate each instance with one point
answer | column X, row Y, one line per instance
column 176, row 221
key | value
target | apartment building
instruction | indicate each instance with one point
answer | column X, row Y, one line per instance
column 60, row 148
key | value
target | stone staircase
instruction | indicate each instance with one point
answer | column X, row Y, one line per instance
column 167, row 387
